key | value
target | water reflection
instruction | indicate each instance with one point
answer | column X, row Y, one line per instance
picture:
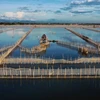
column 91, row 34
column 52, row 34
column 49, row 88
column 35, row 54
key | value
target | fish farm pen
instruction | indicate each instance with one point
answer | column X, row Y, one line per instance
column 88, row 72
column 80, row 59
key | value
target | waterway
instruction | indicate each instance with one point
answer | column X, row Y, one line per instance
column 49, row 89
column 54, row 50
column 91, row 34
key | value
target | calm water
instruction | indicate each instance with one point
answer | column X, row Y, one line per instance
column 91, row 34
column 98, row 28
column 40, row 89
column 44, row 89
column 54, row 50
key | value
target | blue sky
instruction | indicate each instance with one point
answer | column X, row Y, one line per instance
column 51, row 10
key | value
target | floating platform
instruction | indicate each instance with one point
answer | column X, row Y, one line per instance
column 36, row 49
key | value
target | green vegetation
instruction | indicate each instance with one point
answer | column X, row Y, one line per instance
column 34, row 23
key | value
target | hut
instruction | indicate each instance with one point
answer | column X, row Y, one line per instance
column 43, row 39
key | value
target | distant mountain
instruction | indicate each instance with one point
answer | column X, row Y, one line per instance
column 14, row 21
column 42, row 21
column 30, row 21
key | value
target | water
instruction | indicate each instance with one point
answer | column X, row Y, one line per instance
column 54, row 50
column 91, row 34
column 40, row 89
column 11, row 37
column 98, row 28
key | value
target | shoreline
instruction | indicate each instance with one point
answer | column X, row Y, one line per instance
column 54, row 26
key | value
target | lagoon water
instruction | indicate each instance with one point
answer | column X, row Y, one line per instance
column 41, row 89
column 50, row 89
column 54, row 50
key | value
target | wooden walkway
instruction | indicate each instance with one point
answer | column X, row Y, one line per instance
column 75, row 46
column 92, row 29
column 6, row 54
column 50, row 61
column 78, row 47
column 36, row 49
column 51, row 72
column 5, row 48
column 87, row 39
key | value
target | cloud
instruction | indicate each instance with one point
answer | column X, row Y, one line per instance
column 66, row 8
column 20, row 14
column 81, row 11
column 40, row 11
column 48, row 10
column 97, row 11
column 34, row 15
column 37, row 11
column 9, row 14
column 85, row 2
column 83, row 7
column 77, row 2
column 57, row 12
column 23, row 9
column 14, row 15
column 81, row 4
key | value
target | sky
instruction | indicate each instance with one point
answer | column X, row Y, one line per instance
column 85, row 11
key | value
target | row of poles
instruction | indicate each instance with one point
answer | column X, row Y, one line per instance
column 37, row 72
column 49, row 61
